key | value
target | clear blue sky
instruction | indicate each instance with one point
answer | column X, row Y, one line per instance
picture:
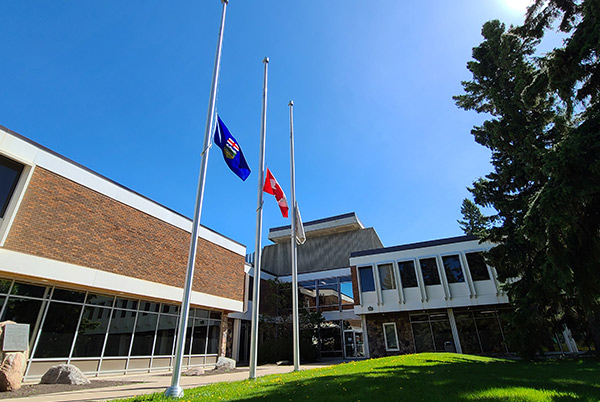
column 122, row 87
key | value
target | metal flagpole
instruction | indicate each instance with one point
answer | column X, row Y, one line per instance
column 293, row 248
column 175, row 389
column 257, row 248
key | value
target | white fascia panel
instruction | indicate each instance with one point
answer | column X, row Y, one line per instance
column 52, row 270
column 311, row 276
column 27, row 153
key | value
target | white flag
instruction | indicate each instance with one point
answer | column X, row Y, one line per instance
column 300, row 235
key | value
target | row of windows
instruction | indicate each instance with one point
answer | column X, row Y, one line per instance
column 429, row 271
column 65, row 323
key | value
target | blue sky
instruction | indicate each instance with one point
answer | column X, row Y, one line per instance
column 122, row 87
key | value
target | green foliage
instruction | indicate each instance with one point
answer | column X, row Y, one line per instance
column 433, row 377
column 544, row 134
column 474, row 222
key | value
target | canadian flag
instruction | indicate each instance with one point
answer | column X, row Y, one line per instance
column 272, row 187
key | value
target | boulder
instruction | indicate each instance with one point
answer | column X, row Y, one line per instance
column 194, row 371
column 225, row 363
column 64, row 374
column 12, row 365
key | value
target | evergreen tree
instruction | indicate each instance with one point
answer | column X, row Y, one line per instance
column 474, row 222
column 544, row 134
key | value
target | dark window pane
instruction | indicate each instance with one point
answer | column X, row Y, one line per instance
column 170, row 309
column 390, row 336
column 367, row 283
column 199, row 337
column 150, row 307
column 25, row 289
column 479, row 271
column 119, row 333
column 165, row 336
column 5, row 285
column 423, row 339
column 430, row 271
column 250, row 287
column 490, row 335
column 68, row 295
column 214, row 335
column 419, row 317
column 58, row 330
column 386, row 277
column 22, row 311
column 215, row 315
column 331, row 339
column 91, row 333
column 100, row 300
column 188, row 336
column 10, row 171
column 126, row 304
column 467, row 332
column 202, row 313
column 442, row 334
column 407, row 274
column 454, row 272
column 143, row 338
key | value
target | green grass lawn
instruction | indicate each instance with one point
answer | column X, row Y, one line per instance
column 420, row 377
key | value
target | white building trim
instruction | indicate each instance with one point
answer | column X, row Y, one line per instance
column 47, row 270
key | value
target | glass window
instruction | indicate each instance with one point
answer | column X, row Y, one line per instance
column 215, row 315
column 119, row 333
column 126, row 304
column 478, row 267
column 170, row 309
column 68, row 295
column 391, row 339
column 214, row 335
column 143, row 338
column 99, row 300
column 386, row 277
column 91, row 333
column 149, row 306
column 331, row 339
column 423, row 337
column 10, row 171
column 490, row 334
column 430, row 271
column 22, row 311
column 346, row 292
column 5, row 285
column 467, row 332
column 367, row 283
column 307, row 295
column 442, row 335
column 165, row 335
column 407, row 274
column 58, row 330
column 250, row 287
column 199, row 337
column 26, row 289
column 328, row 295
column 454, row 272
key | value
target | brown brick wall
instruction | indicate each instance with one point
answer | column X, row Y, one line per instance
column 377, row 340
column 62, row 220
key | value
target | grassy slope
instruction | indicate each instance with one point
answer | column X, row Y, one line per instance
column 422, row 377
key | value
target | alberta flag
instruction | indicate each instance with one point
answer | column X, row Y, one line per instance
column 232, row 153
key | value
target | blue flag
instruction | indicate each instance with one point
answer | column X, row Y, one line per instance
column 232, row 153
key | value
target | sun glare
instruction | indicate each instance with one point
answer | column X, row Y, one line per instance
column 518, row 5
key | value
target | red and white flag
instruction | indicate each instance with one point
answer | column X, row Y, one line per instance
column 272, row 187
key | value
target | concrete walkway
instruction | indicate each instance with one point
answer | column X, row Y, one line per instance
column 157, row 382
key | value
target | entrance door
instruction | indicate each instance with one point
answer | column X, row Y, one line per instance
column 349, row 344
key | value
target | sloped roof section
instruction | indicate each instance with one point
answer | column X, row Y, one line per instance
column 319, row 253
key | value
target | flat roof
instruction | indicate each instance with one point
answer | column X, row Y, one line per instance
column 412, row 246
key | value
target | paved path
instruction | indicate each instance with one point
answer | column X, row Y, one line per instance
column 156, row 382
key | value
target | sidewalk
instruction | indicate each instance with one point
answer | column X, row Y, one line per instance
column 157, row 382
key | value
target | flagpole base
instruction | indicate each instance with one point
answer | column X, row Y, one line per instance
column 174, row 392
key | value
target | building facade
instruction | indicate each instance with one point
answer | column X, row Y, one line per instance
column 97, row 270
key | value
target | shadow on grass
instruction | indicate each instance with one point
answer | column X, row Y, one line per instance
column 446, row 381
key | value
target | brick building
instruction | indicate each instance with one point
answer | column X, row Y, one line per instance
column 97, row 270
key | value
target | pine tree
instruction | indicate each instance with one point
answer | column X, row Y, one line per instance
column 474, row 222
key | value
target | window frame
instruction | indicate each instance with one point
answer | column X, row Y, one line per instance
column 387, row 348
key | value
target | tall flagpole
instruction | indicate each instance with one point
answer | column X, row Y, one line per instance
column 257, row 248
column 175, row 389
column 293, row 248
